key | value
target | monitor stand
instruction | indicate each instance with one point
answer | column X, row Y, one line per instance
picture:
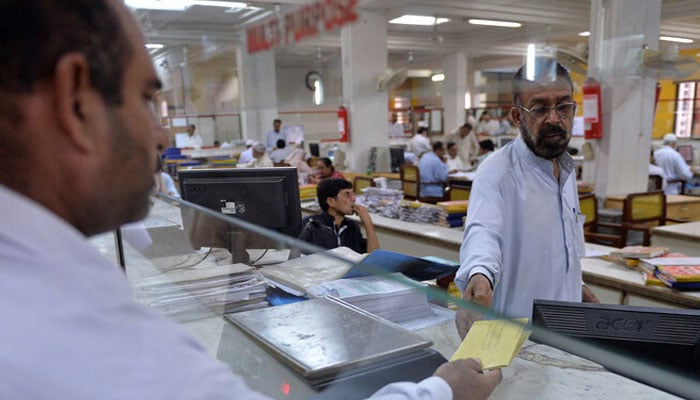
column 237, row 245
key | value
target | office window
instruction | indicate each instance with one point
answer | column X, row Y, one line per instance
column 687, row 124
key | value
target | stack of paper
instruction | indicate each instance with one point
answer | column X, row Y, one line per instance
column 681, row 273
column 381, row 201
column 295, row 276
column 188, row 294
column 415, row 211
column 452, row 213
column 388, row 297
column 494, row 342
column 630, row 256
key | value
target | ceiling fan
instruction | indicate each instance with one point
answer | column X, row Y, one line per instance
column 667, row 63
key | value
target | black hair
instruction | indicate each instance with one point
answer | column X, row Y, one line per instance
column 467, row 125
column 281, row 143
column 421, row 130
column 487, row 145
column 328, row 188
column 277, row 120
column 37, row 33
column 451, row 145
column 544, row 69
column 437, row 146
column 327, row 162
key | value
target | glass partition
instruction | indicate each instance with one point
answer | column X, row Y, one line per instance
column 279, row 318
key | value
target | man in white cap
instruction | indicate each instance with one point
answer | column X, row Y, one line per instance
column 675, row 168
column 247, row 154
column 260, row 158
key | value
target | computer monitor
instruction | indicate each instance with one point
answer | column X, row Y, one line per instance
column 314, row 150
column 686, row 151
column 396, row 155
column 268, row 197
column 662, row 336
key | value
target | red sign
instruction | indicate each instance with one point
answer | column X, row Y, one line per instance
column 301, row 23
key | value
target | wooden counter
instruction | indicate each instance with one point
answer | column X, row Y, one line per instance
column 627, row 285
column 612, row 283
column 684, row 238
column 678, row 207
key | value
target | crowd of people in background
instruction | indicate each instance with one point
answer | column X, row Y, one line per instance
column 460, row 151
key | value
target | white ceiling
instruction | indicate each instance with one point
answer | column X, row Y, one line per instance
column 214, row 31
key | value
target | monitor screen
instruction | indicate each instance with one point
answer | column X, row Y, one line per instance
column 396, row 154
column 268, row 197
column 314, row 150
column 686, row 151
column 663, row 336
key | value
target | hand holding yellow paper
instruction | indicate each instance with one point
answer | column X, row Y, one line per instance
column 494, row 342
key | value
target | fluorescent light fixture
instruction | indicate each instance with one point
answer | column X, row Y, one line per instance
column 170, row 5
column 530, row 62
column 154, row 46
column 419, row 73
column 489, row 22
column 180, row 5
column 584, row 33
column 437, row 77
column 225, row 4
column 318, row 92
column 675, row 39
column 418, row 20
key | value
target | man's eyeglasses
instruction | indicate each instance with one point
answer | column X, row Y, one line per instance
column 563, row 110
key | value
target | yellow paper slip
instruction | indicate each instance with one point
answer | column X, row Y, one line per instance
column 494, row 342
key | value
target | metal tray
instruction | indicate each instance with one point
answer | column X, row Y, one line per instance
column 319, row 338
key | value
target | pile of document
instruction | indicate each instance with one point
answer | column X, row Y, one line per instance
column 295, row 276
column 384, row 202
column 393, row 297
column 415, row 211
column 452, row 213
column 681, row 273
column 195, row 293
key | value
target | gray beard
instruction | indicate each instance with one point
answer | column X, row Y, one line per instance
column 540, row 147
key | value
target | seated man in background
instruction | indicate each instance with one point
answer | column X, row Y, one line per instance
column 331, row 229
column 247, row 154
column 280, row 152
column 454, row 163
column 486, row 148
column 260, row 159
column 433, row 172
column 674, row 166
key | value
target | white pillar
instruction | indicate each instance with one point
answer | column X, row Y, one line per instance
column 621, row 157
column 258, row 87
column 364, row 55
column 454, row 88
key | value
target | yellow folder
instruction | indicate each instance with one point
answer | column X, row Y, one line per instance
column 494, row 342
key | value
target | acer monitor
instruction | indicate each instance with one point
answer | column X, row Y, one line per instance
column 662, row 336
column 268, row 197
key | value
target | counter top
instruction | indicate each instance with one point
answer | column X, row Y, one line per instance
column 689, row 231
